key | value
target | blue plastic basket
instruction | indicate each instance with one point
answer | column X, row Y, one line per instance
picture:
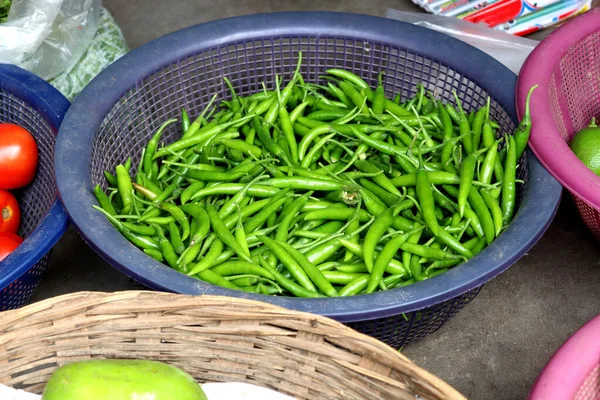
column 114, row 117
column 32, row 103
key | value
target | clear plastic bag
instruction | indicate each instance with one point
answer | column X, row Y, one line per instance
column 46, row 37
column 508, row 49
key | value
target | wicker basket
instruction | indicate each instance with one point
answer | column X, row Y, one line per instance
column 216, row 339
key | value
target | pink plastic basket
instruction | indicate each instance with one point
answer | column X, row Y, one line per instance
column 566, row 66
column 573, row 372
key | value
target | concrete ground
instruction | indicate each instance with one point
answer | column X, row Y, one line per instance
column 497, row 345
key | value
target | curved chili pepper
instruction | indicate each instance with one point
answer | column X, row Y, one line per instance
column 425, row 196
column 523, row 131
column 223, row 233
column 509, row 190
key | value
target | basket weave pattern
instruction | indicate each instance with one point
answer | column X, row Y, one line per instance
column 215, row 339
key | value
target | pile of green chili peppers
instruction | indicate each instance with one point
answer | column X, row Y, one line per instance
column 319, row 190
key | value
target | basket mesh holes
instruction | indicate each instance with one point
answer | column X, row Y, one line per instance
column 580, row 69
column 18, row 293
column 35, row 199
column 400, row 330
column 191, row 81
column 590, row 390
column 555, row 107
column 590, row 216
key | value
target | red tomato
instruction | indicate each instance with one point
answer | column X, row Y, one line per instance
column 18, row 156
column 8, row 243
column 10, row 215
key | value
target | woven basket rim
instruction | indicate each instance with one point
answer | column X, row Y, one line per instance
column 13, row 322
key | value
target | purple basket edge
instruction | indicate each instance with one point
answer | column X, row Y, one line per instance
column 543, row 140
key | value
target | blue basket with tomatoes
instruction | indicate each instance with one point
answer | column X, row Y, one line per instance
column 31, row 216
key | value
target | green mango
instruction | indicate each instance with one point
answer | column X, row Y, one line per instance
column 121, row 380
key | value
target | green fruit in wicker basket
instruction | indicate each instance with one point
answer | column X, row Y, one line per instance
column 586, row 146
column 121, row 380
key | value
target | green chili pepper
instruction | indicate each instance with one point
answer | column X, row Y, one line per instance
column 464, row 127
column 287, row 284
column 383, row 259
column 190, row 190
column 495, row 210
column 446, row 238
column 140, row 229
column 223, row 233
column 446, row 124
column 379, row 97
column 199, row 137
column 294, row 182
column 159, row 220
column 478, row 122
column 523, row 131
column 110, row 178
column 260, row 218
column 151, row 148
column 179, row 217
column 175, row 237
column 243, row 147
column 125, row 188
column 311, row 156
column 508, row 183
column 288, row 130
column 354, row 95
column 289, row 263
column 230, row 268
column 289, row 213
column 425, row 196
column 489, row 163
column 315, row 275
column 157, row 255
column 103, row 200
column 233, row 188
column 381, row 179
column 339, row 277
column 297, row 112
column 240, row 235
column 381, row 224
column 385, row 196
column 216, row 248
column 467, row 172
column 488, row 137
column 355, row 286
column 201, row 217
column 483, row 213
column 435, row 178
column 166, row 248
column 407, row 256
column 212, row 277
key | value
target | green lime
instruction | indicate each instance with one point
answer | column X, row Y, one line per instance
column 586, row 146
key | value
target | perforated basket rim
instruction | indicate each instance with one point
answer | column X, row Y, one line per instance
column 570, row 365
column 545, row 141
column 89, row 109
column 52, row 106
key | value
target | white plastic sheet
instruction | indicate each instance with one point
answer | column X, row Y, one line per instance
column 46, row 37
column 508, row 49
